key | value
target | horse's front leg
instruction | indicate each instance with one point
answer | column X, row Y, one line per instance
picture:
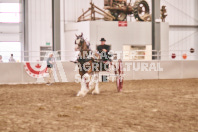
column 84, row 85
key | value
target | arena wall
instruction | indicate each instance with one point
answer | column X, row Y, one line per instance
column 136, row 34
column 14, row 73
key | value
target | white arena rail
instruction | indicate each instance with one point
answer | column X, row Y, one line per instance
column 34, row 56
column 177, row 68
column 15, row 73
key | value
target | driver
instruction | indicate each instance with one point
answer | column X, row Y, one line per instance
column 103, row 50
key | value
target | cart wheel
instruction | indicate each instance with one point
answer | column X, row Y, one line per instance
column 120, row 79
column 119, row 84
column 141, row 9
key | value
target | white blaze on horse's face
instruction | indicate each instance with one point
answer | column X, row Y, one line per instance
column 77, row 41
column 76, row 47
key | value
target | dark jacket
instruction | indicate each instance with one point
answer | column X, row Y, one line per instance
column 105, row 55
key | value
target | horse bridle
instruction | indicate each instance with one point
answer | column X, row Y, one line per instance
column 80, row 44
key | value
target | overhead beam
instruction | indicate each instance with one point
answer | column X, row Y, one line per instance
column 9, row 1
column 184, row 26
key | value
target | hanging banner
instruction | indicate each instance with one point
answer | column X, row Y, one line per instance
column 36, row 70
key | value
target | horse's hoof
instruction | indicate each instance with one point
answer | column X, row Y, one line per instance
column 94, row 92
column 79, row 94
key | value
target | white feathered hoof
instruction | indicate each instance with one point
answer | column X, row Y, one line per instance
column 79, row 94
column 95, row 92
column 82, row 93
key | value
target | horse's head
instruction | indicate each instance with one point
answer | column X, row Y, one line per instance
column 79, row 42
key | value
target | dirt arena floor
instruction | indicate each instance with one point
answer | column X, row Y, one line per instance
column 143, row 106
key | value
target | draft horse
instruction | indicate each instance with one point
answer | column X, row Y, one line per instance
column 90, row 64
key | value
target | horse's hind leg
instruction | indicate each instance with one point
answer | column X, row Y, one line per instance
column 96, row 90
column 96, row 82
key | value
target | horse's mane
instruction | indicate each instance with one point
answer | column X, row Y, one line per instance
column 87, row 43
